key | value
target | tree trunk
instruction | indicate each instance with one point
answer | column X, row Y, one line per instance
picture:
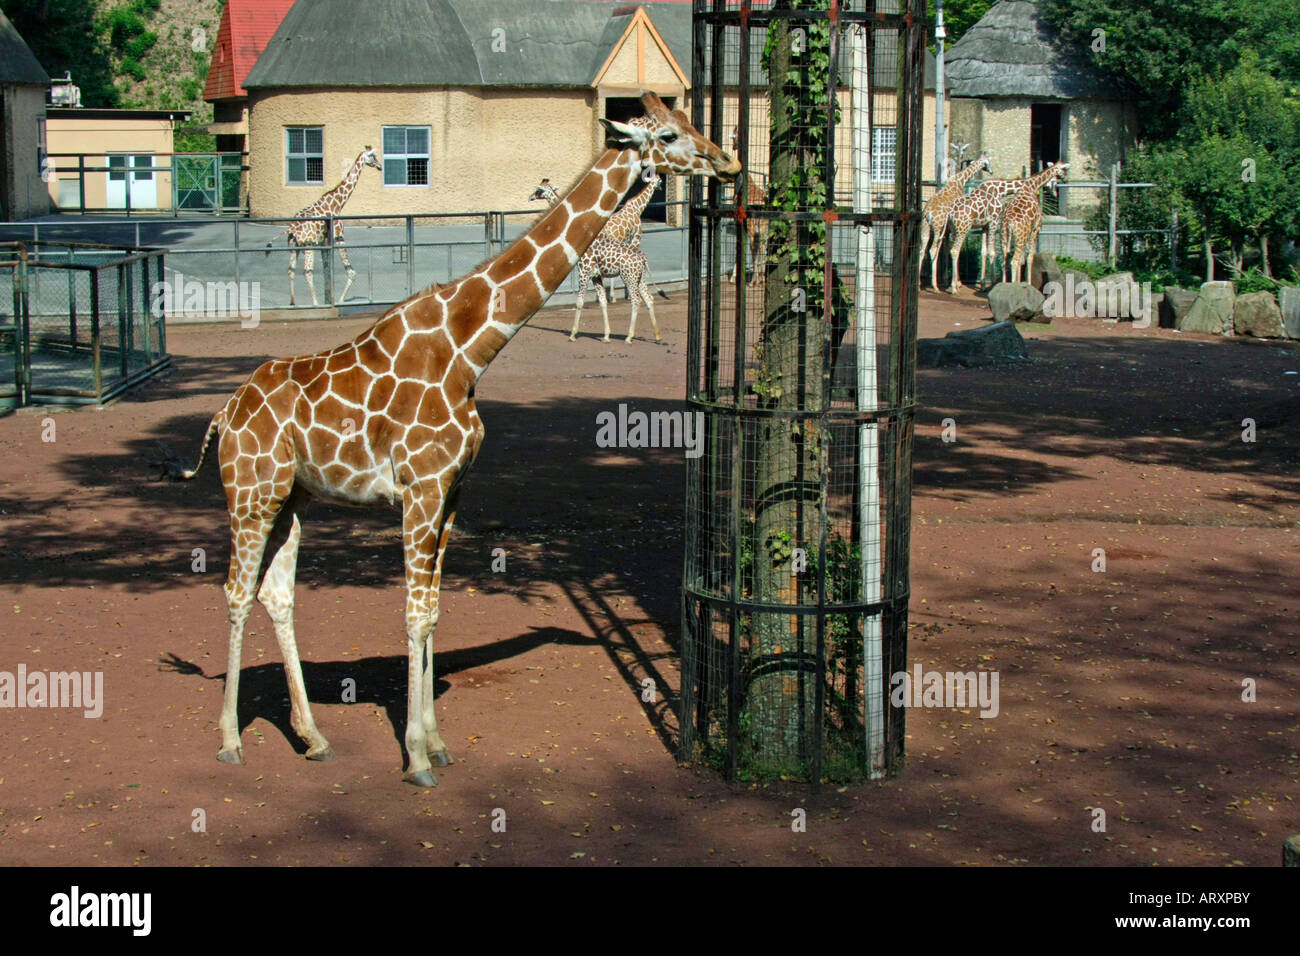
column 1263, row 255
column 1209, row 259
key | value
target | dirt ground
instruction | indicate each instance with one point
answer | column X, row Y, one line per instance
column 1120, row 690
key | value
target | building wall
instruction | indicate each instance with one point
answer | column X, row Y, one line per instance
column 488, row 148
column 95, row 139
column 1097, row 134
column 22, row 193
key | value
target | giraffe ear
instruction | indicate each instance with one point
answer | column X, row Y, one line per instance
column 621, row 136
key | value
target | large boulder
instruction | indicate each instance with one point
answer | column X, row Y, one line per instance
column 990, row 345
column 1115, row 297
column 1175, row 306
column 1046, row 269
column 1212, row 311
column 1288, row 298
column 1017, row 302
column 1257, row 314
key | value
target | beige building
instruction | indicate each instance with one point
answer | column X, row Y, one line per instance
column 471, row 103
column 1029, row 100
column 111, row 159
column 23, row 86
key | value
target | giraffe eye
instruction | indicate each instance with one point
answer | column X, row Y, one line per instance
column 668, row 137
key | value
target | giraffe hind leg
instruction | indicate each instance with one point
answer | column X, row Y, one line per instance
column 277, row 596
column 347, row 264
column 604, row 304
column 293, row 260
column 307, row 257
column 584, row 280
column 434, row 746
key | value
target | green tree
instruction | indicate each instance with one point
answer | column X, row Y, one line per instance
column 958, row 17
column 66, row 36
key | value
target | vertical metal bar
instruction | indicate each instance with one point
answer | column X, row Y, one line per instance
column 121, row 319
column 410, row 255
column 146, row 325
column 81, row 182
column 1114, row 215
column 328, row 255
column 236, row 225
column 97, row 369
column 72, row 303
column 162, row 314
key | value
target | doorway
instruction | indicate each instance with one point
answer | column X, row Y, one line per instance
column 131, row 174
column 1045, row 145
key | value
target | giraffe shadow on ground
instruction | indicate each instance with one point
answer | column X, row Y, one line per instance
column 264, row 690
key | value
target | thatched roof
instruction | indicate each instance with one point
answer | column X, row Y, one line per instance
column 1011, row 51
column 549, row 43
column 17, row 64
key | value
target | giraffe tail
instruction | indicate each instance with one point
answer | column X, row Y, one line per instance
column 649, row 279
column 273, row 241
column 175, row 469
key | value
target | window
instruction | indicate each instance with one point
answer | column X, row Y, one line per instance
column 305, row 155
column 884, row 154
column 406, row 155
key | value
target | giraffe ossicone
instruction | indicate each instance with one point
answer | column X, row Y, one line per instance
column 407, row 383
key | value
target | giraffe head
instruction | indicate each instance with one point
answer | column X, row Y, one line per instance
column 369, row 157
column 1057, row 174
column 545, row 192
column 666, row 140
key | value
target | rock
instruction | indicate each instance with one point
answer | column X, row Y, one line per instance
column 1046, row 269
column 1175, row 306
column 1288, row 298
column 990, row 345
column 1257, row 314
column 1212, row 310
column 1016, row 301
column 1291, row 851
column 1115, row 298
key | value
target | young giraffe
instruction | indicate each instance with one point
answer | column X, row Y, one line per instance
column 312, row 232
column 391, row 416
column 1021, row 220
column 982, row 207
column 755, row 229
column 607, row 257
column 938, row 208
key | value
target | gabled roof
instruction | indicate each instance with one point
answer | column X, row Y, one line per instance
column 18, row 66
column 515, row 43
column 1011, row 51
column 246, row 27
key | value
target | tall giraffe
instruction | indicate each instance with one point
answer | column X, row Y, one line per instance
column 938, row 208
column 606, row 258
column 982, row 207
column 312, row 231
column 391, row 416
column 1020, row 222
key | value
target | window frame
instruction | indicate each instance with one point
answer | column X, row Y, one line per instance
column 304, row 155
column 884, row 161
column 405, row 156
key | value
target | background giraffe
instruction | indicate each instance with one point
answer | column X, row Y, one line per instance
column 1021, row 220
column 608, row 257
column 312, row 233
column 980, row 208
column 390, row 416
column 937, row 210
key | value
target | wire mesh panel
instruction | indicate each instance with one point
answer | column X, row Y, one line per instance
column 78, row 322
column 802, row 365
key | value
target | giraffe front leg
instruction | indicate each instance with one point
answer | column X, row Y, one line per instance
column 347, row 264
column 276, row 595
column 307, row 257
column 650, row 305
column 633, row 292
column 958, row 240
column 421, row 523
column 293, row 260
column 583, row 280
column 436, row 749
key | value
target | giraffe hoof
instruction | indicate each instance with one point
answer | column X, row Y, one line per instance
column 605, row 339
column 231, row 756
column 327, row 753
column 420, row 778
column 441, row 757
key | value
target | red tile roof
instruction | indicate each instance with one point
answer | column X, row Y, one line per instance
column 246, row 27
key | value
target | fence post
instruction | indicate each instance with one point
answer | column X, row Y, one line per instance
column 122, row 347
column 1114, row 213
column 328, row 255
column 236, row 224
column 94, row 331
column 81, row 183
column 72, row 303
column 410, row 255
column 487, row 235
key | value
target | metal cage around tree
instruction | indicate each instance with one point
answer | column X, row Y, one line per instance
column 801, row 362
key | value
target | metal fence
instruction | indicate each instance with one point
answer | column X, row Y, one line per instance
column 393, row 257
column 76, row 321
column 147, row 183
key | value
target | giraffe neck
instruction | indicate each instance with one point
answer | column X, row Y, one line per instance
column 339, row 195
column 636, row 205
column 485, row 309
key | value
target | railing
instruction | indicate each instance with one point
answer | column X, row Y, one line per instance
column 203, row 182
column 394, row 256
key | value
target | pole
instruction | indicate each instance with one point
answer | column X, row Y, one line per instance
column 940, row 127
column 1114, row 214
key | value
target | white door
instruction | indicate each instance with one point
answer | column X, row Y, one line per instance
column 133, row 172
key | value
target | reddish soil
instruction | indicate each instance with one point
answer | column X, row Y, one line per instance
column 1120, row 690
